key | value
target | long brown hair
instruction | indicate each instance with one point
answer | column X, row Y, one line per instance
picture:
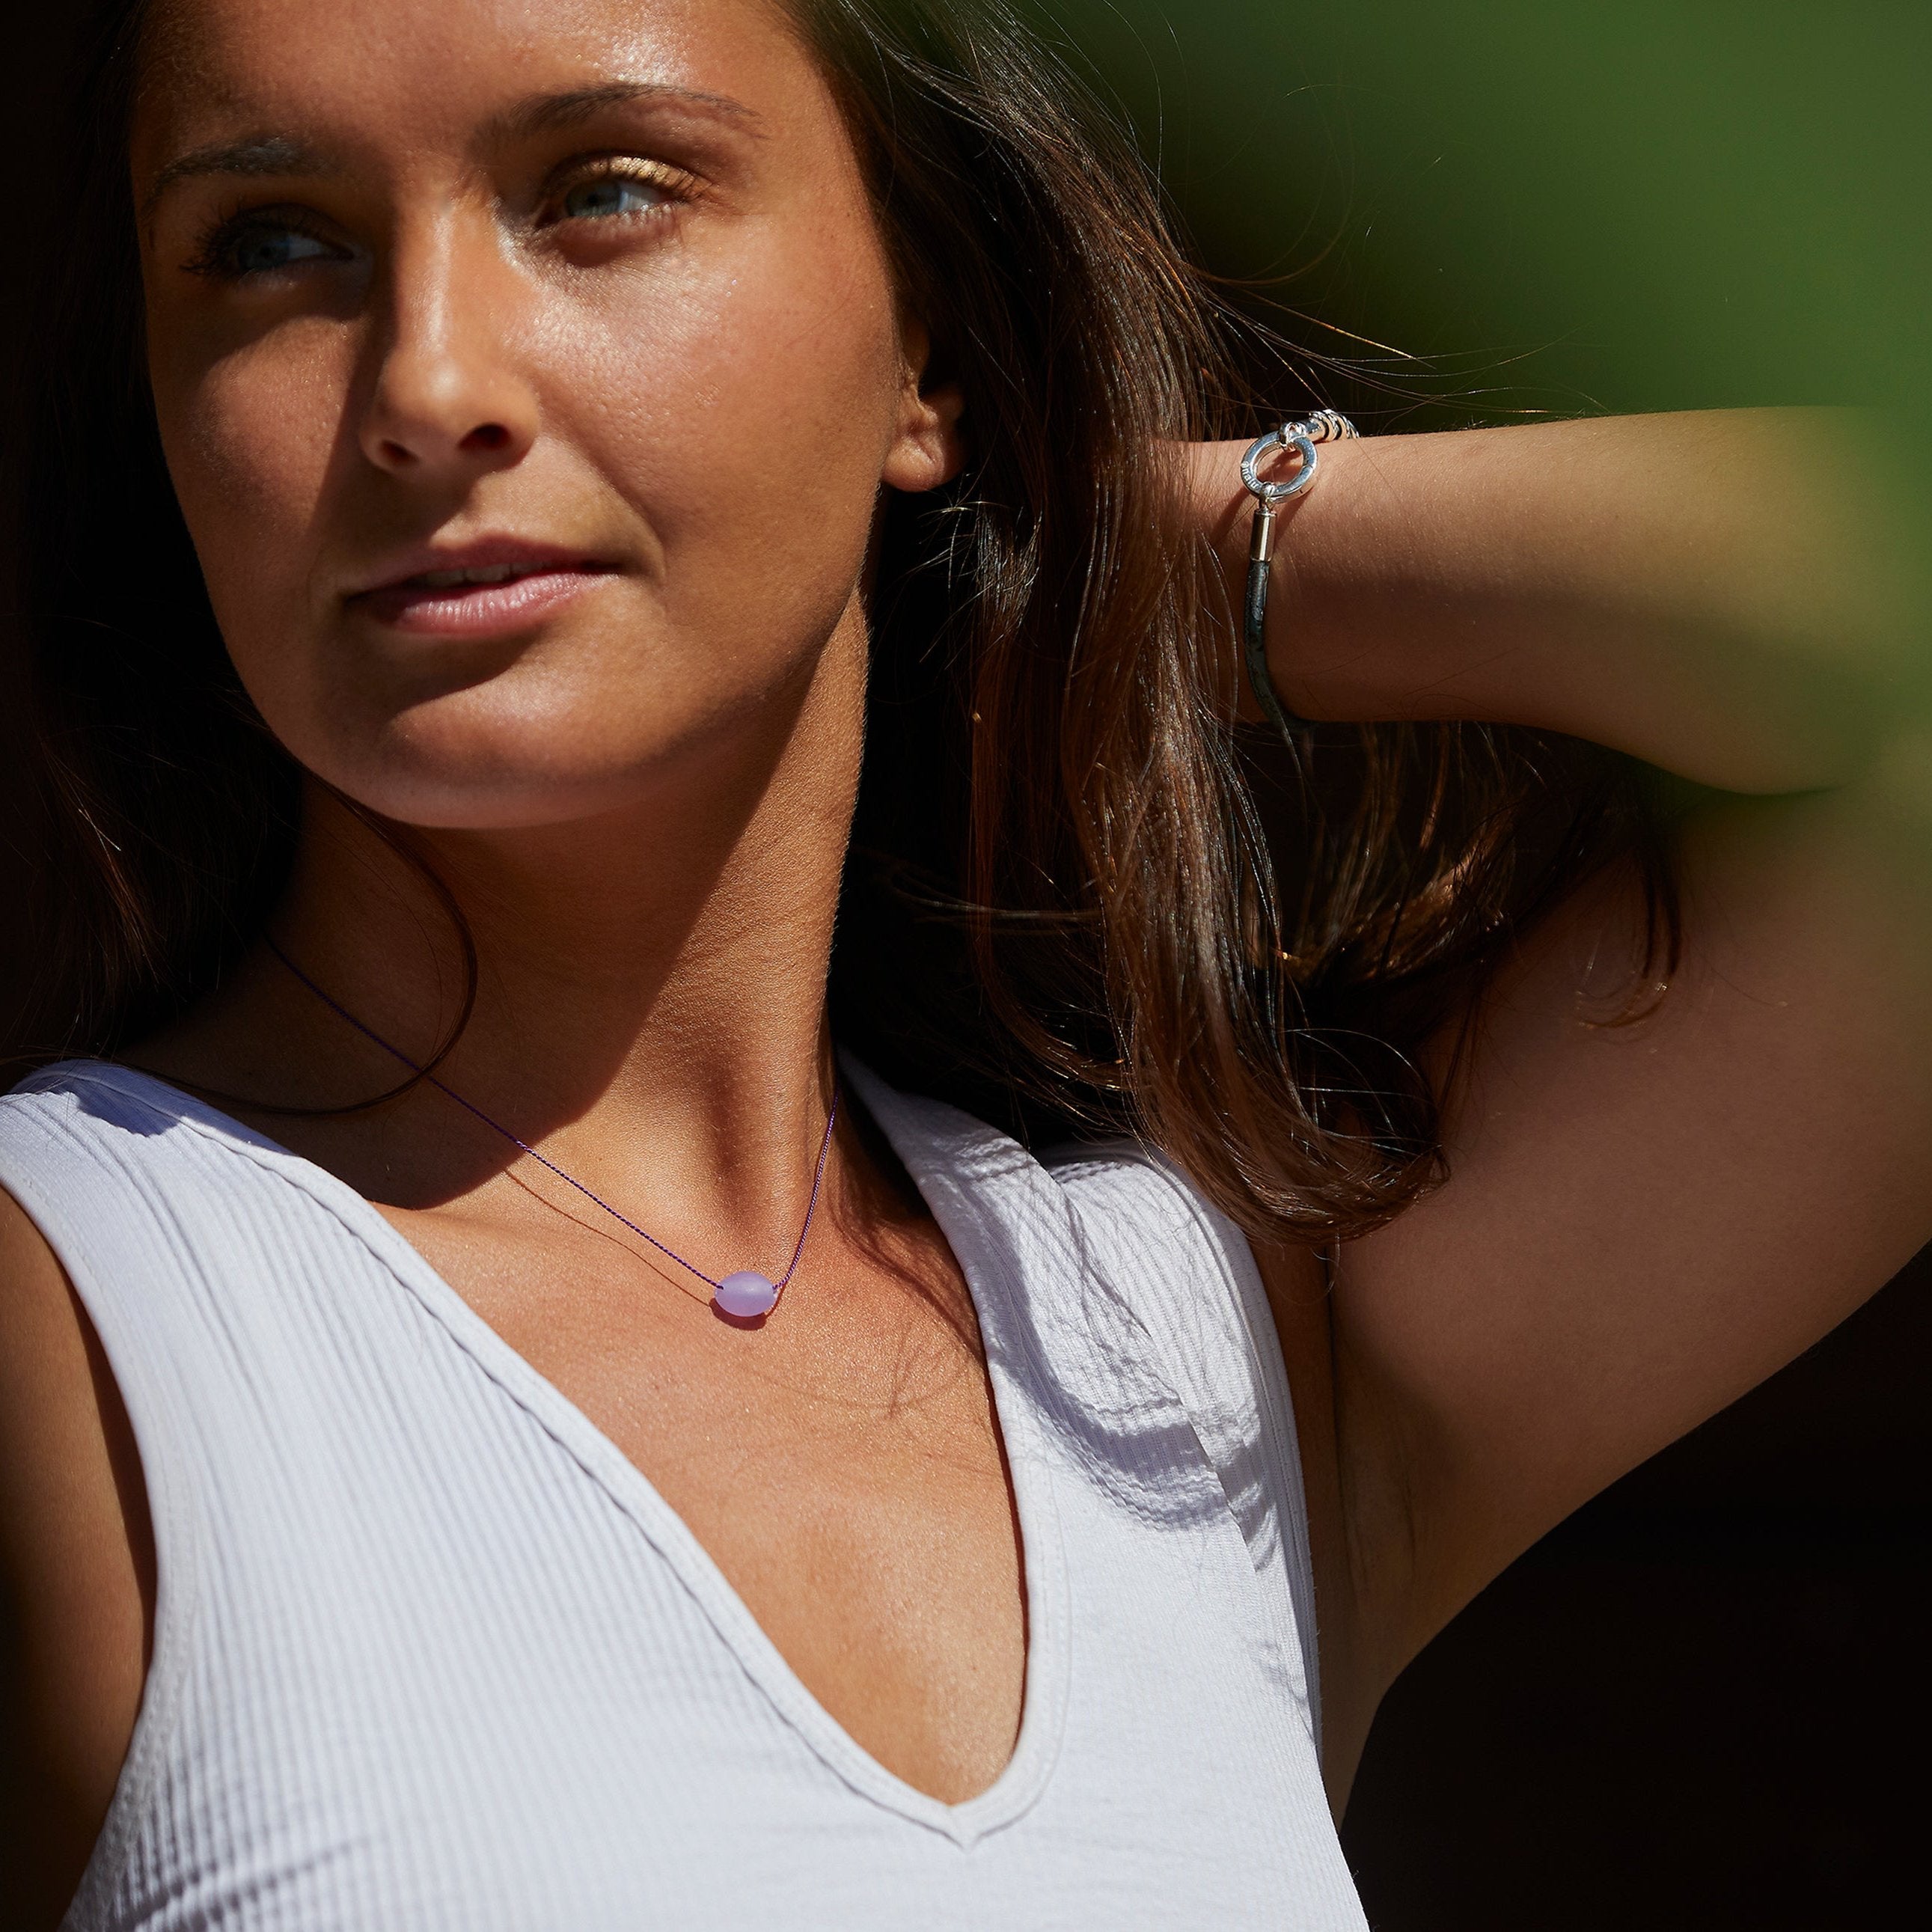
column 1079, row 898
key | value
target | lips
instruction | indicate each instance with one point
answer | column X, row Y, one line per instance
column 479, row 590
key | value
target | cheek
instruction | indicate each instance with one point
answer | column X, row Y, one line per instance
column 250, row 438
column 718, row 411
column 744, row 410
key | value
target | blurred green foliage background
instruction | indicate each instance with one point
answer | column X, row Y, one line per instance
column 1552, row 205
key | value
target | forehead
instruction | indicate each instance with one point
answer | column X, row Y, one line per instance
column 431, row 70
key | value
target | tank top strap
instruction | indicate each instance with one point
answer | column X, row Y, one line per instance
column 1146, row 1311
column 135, row 1193
column 1189, row 1275
column 187, row 1261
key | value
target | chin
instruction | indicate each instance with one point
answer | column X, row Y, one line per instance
column 456, row 765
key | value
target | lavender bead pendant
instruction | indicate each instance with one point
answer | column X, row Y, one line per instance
column 745, row 1295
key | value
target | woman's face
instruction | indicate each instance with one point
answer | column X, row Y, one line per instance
column 528, row 371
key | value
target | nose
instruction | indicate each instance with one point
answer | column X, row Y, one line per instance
column 447, row 399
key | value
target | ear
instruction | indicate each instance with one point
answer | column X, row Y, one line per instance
column 928, row 449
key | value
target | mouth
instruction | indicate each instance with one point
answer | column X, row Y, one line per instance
column 482, row 589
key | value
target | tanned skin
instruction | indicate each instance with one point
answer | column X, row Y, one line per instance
column 603, row 279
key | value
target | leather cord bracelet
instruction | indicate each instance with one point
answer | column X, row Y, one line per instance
column 1301, row 436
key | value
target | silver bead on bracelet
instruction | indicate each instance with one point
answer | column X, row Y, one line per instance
column 1324, row 426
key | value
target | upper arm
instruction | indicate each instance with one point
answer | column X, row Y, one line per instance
column 76, row 1568
column 1641, row 1220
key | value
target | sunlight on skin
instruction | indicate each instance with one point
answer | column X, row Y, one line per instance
column 529, row 378
column 604, row 284
column 700, row 393
column 597, row 294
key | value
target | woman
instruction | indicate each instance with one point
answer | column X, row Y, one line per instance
column 619, row 443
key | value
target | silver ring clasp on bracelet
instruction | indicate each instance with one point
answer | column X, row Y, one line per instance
column 1290, row 436
column 1324, row 426
column 1302, row 436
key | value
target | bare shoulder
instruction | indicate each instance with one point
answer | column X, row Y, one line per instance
column 76, row 1573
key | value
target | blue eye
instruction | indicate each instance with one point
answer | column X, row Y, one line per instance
column 255, row 247
column 611, row 194
column 263, row 250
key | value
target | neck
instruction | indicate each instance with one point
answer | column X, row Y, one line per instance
column 649, row 993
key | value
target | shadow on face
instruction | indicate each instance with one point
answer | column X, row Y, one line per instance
column 528, row 375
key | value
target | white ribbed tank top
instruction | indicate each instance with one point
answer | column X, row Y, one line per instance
column 429, row 1652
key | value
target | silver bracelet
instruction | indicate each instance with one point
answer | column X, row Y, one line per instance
column 1324, row 426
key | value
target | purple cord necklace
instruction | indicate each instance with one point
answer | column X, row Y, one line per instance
column 744, row 1294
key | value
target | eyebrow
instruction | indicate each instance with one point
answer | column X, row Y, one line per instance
column 255, row 154
column 265, row 154
column 545, row 113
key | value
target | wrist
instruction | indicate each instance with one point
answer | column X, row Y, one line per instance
column 1279, row 473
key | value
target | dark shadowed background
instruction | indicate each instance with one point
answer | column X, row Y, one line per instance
column 1699, row 1702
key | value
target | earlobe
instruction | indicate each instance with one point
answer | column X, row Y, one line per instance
column 930, row 449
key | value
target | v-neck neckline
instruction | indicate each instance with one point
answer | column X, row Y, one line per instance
column 934, row 1144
